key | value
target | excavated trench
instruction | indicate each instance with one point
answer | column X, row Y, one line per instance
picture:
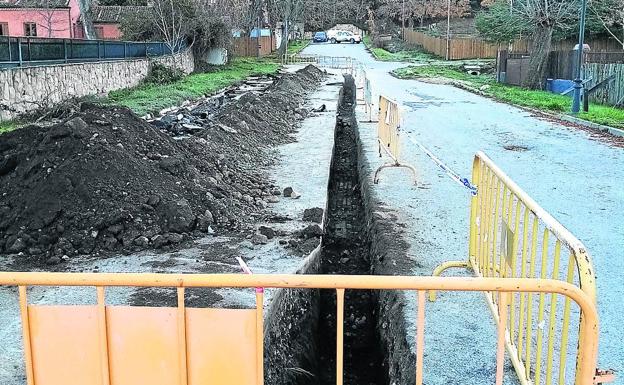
column 345, row 250
column 300, row 346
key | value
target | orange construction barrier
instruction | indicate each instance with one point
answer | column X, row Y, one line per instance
column 121, row 345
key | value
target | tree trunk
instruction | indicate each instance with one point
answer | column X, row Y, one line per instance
column 538, row 63
column 284, row 45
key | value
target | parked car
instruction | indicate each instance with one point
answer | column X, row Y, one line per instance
column 320, row 37
column 343, row 37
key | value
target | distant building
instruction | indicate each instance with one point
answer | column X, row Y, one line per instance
column 77, row 19
column 41, row 18
column 106, row 20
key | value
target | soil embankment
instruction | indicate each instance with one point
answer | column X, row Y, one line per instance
column 106, row 181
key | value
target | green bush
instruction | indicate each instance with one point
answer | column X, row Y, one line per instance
column 162, row 74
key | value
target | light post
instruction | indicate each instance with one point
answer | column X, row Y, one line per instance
column 578, row 82
column 448, row 31
column 403, row 19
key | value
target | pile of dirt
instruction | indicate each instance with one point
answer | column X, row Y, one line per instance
column 105, row 180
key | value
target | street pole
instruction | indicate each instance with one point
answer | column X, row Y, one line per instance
column 448, row 31
column 403, row 19
column 578, row 82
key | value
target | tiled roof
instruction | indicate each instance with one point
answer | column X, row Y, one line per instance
column 114, row 13
column 35, row 4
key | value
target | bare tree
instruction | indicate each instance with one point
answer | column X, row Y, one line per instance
column 611, row 15
column 421, row 10
column 544, row 16
column 170, row 19
column 52, row 19
column 288, row 12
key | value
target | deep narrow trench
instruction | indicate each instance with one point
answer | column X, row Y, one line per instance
column 345, row 250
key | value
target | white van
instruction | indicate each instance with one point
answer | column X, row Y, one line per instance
column 343, row 37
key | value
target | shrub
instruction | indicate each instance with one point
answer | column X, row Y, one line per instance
column 162, row 74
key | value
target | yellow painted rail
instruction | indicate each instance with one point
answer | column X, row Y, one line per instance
column 511, row 236
column 168, row 345
column 388, row 135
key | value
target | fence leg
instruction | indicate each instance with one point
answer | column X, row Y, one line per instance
column 65, row 49
column 19, row 51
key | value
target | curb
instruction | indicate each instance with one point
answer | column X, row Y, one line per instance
column 563, row 117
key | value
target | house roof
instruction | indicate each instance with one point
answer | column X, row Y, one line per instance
column 35, row 4
column 114, row 13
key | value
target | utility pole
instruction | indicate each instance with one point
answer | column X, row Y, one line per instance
column 403, row 19
column 448, row 31
column 578, row 82
column 258, row 38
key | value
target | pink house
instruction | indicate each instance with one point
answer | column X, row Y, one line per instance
column 41, row 18
column 107, row 19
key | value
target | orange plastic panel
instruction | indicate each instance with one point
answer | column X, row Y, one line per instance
column 65, row 345
column 221, row 345
column 143, row 345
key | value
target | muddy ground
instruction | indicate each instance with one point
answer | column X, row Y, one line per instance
column 105, row 181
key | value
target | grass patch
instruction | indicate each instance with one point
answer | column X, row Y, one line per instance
column 296, row 46
column 540, row 100
column 413, row 55
column 9, row 125
column 150, row 98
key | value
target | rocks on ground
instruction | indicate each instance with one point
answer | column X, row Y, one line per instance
column 314, row 214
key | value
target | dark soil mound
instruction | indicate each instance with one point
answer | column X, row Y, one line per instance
column 106, row 180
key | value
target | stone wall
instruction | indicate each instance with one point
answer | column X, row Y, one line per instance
column 29, row 88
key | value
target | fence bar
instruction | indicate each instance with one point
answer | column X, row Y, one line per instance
column 65, row 49
column 183, row 365
column 529, row 339
column 521, row 318
column 502, row 332
column 260, row 336
column 102, row 329
column 552, row 325
column 28, row 358
column 339, row 335
column 540, row 313
column 566, row 324
column 19, row 52
column 420, row 337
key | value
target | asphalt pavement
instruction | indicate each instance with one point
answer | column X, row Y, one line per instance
column 571, row 173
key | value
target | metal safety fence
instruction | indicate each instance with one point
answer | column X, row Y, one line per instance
column 29, row 51
column 347, row 64
column 103, row 344
column 388, row 136
column 511, row 237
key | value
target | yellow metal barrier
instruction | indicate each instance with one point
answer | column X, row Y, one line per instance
column 388, row 133
column 511, row 236
column 113, row 345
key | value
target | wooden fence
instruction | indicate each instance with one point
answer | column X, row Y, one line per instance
column 473, row 48
column 597, row 66
column 459, row 48
column 251, row 46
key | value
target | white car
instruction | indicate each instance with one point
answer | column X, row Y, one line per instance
column 343, row 37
